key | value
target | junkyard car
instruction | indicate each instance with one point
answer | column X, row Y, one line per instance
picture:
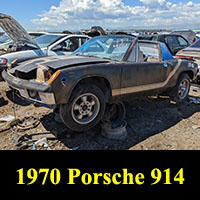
column 193, row 53
column 103, row 70
column 45, row 45
column 174, row 42
column 6, row 42
column 188, row 34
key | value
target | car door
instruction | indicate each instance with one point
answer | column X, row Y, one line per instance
column 149, row 72
column 67, row 46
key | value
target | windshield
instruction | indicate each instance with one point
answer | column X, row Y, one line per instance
column 5, row 39
column 112, row 47
column 196, row 44
column 46, row 40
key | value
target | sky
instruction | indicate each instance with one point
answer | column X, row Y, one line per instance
column 79, row 14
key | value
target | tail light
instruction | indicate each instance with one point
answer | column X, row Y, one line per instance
column 185, row 57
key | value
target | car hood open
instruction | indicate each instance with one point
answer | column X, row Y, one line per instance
column 18, row 34
column 58, row 62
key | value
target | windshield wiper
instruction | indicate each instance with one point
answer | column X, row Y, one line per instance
column 77, row 54
column 110, row 59
column 92, row 56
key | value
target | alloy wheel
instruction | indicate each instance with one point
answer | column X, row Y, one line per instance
column 183, row 88
column 85, row 108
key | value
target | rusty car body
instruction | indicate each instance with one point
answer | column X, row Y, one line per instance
column 105, row 69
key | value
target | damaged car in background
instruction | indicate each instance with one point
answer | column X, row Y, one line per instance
column 25, row 47
column 106, row 69
column 6, row 42
column 192, row 53
column 188, row 34
column 174, row 42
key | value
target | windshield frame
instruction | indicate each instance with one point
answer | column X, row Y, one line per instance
column 83, row 48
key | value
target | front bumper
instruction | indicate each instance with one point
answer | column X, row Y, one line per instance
column 31, row 89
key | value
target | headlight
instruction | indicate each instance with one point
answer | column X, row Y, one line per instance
column 3, row 61
column 43, row 74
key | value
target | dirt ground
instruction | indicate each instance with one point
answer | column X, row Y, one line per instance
column 154, row 123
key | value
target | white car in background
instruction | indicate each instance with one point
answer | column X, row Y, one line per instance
column 25, row 47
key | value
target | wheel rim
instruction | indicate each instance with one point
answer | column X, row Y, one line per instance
column 85, row 108
column 183, row 88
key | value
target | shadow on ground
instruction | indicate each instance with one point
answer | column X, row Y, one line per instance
column 14, row 97
column 145, row 117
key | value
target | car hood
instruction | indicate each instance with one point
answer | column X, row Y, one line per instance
column 18, row 34
column 57, row 62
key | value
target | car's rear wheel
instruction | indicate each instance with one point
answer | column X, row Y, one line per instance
column 84, row 109
column 181, row 91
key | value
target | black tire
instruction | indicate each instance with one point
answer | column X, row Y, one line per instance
column 180, row 92
column 198, row 80
column 84, row 109
column 114, row 114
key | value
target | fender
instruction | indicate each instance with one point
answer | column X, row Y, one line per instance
column 87, row 77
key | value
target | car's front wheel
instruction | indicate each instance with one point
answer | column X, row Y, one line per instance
column 84, row 109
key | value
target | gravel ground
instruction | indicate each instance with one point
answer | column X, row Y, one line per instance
column 154, row 123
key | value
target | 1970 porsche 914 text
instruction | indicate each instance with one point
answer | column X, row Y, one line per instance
column 104, row 69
